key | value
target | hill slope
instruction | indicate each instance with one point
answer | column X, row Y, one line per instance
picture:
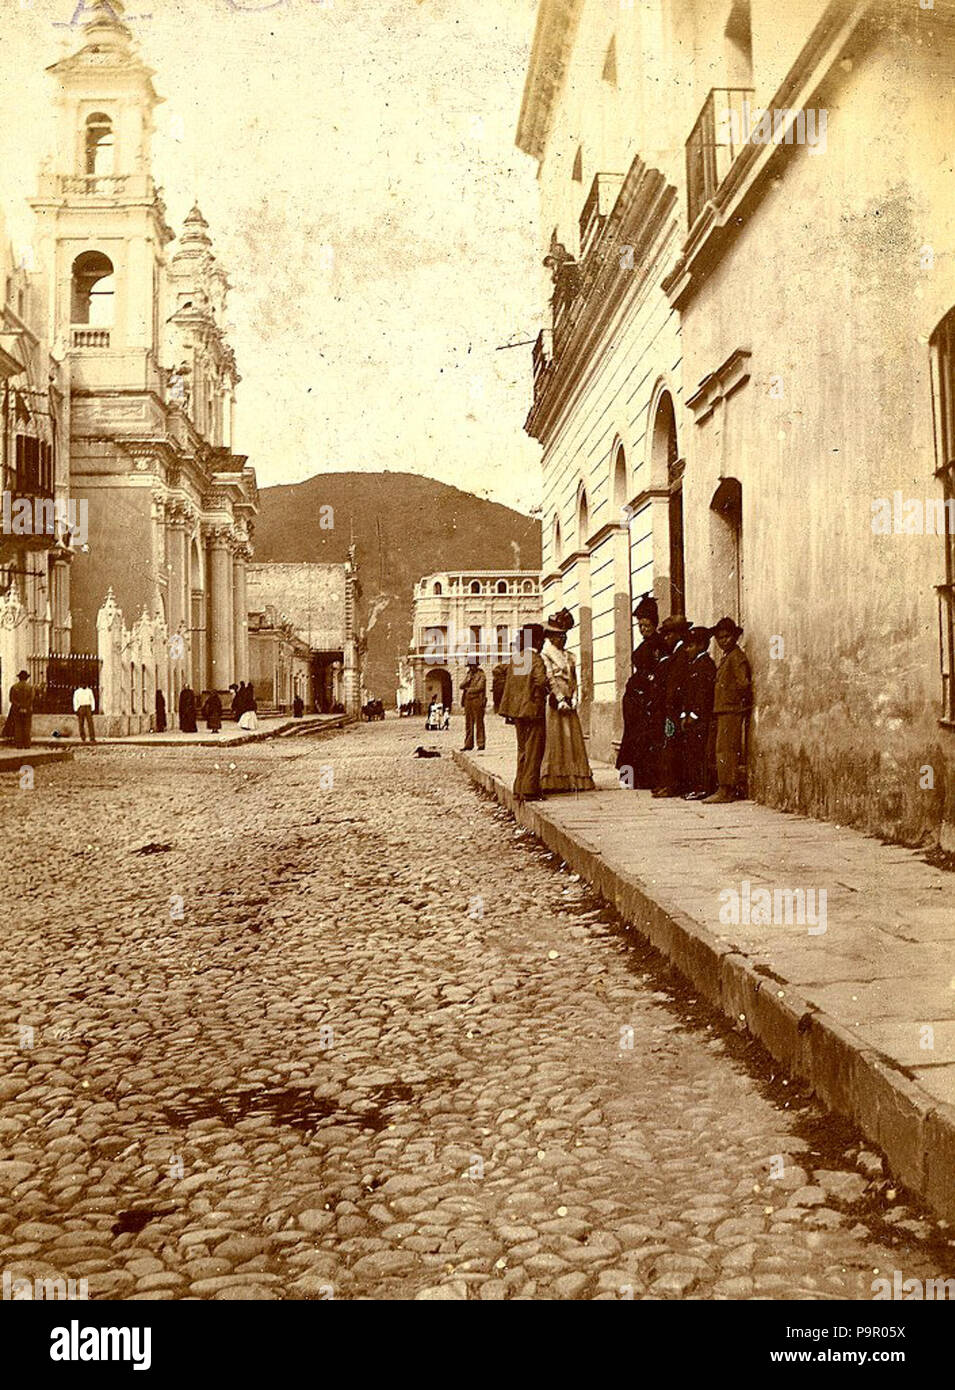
column 405, row 526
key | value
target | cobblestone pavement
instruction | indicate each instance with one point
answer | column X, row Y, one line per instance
column 387, row 1050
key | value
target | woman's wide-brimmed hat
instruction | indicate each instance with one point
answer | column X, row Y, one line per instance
column 675, row 624
column 727, row 625
column 560, row 622
column 647, row 608
column 700, row 634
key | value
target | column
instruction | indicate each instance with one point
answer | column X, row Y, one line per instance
column 243, row 554
column 176, row 569
column 222, row 636
column 60, row 581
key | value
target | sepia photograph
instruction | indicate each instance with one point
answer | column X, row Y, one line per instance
column 558, row 391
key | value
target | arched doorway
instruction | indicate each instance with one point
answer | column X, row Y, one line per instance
column 437, row 681
column 623, row 579
column 667, row 467
column 585, row 672
column 726, row 545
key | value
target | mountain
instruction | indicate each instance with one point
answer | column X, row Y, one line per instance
column 404, row 526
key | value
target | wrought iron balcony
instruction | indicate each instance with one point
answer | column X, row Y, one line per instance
column 721, row 130
column 597, row 208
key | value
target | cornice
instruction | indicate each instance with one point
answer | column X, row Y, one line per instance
column 644, row 205
column 557, row 22
column 814, row 75
column 720, row 385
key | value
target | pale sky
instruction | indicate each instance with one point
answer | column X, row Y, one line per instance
column 384, row 130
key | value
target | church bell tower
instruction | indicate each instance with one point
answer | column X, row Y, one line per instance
column 101, row 220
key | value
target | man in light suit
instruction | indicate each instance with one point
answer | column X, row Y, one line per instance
column 524, row 704
column 474, row 699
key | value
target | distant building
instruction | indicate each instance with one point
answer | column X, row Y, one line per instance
column 303, row 637
column 281, row 664
column 471, row 611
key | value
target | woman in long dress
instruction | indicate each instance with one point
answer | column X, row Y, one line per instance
column 642, row 740
column 566, row 767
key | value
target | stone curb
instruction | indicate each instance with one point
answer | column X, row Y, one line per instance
column 13, row 760
column 915, row 1131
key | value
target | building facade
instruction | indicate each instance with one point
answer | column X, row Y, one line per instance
column 149, row 381
column 454, row 616
column 37, row 545
column 302, row 608
column 607, row 367
column 773, row 412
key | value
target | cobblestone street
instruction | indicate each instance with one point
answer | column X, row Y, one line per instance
column 314, row 1019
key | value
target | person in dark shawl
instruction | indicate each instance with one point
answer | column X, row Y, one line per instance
column 673, row 631
column 187, row 710
column 160, row 712
column 638, row 758
column 212, row 712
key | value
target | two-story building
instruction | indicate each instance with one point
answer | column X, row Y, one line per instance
column 744, row 392
column 462, row 615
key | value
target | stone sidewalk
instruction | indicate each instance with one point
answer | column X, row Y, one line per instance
column 230, row 735
column 857, row 998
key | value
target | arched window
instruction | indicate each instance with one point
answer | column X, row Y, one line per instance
column 578, row 171
column 620, row 481
column 437, row 588
column 100, row 146
column 475, row 586
column 502, row 586
column 528, row 586
column 583, row 520
column 93, row 286
column 132, row 687
column 558, row 545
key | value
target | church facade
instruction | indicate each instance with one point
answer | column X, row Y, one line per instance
column 149, row 385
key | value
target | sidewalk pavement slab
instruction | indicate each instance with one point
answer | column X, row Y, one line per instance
column 856, row 999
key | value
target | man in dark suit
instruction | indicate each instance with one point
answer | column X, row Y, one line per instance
column 474, row 699
column 21, row 709
column 524, row 704
column 697, row 713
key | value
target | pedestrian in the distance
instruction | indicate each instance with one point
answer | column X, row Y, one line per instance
column 732, row 700
column 234, row 710
column 249, row 720
column 84, row 703
column 474, row 700
column 639, row 755
column 187, row 710
column 524, row 704
column 21, row 709
column 673, row 632
column 697, row 714
column 160, row 712
column 212, row 712
column 298, row 707
column 566, row 767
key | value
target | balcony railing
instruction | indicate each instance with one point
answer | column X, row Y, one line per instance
column 93, row 185
column 597, row 208
column 90, row 337
column 722, row 129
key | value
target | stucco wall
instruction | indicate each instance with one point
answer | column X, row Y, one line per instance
column 825, row 285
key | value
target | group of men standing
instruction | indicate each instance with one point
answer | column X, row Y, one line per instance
column 684, row 716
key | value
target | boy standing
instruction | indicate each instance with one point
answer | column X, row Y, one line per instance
column 731, row 704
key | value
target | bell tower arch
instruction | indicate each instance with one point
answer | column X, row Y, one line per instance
column 101, row 220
